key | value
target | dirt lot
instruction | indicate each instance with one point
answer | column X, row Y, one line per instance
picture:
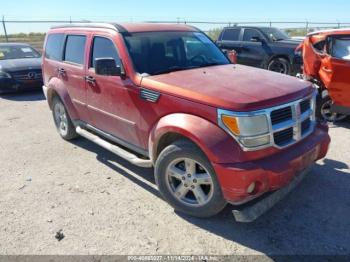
column 106, row 206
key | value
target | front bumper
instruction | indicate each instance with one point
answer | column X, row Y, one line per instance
column 12, row 85
column 248, row 213
column 273, row 172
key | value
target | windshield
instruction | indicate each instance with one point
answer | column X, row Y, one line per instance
column 275, row 34
column 163, row 52
column 17, row 52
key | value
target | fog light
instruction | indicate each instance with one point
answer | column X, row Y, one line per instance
column 251, row 188
column 255, row 142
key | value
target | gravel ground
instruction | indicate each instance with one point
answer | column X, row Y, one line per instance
column 103, row 205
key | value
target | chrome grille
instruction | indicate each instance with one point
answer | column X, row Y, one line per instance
column 305, row 105
column 281, row 115
column 283, row 137
column 27, row 75
column 292, row 122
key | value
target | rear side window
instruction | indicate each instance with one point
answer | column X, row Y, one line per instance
column 54, row 45
column 103, row 48
column 75, row 49
column 231, row 34
column 250, row 33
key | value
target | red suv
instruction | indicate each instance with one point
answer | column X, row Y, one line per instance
column 166, row 96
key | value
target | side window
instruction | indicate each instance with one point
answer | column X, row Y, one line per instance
column 340, row 48
column 103, row 48
column 250, row 33
column 319, row 46
column 75, row 49
column 231, row 34
column 54, row 46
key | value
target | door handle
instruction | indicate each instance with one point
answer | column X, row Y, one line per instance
column 90, row 79
column 61, row 71
column 327, row 70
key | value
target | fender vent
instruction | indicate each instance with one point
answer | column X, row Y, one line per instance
column 149, row 95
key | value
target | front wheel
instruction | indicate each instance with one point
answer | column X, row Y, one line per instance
column 187, row 180
column 323, row 110
column 279, row 65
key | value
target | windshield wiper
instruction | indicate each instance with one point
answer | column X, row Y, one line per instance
column 173, row 69
column 211, row 64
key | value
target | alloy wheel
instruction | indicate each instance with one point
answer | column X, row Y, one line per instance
column 189, row 182
column 61, row 120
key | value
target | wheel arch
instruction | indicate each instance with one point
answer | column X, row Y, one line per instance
column 57, row 88
column 214, row 142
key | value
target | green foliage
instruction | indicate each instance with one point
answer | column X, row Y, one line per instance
column 34, row 39
column 214, row 33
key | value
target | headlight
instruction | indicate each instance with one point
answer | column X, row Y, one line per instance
column 251, row 131
column 4, row 75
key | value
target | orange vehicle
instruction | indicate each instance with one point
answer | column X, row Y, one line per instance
column 326, row 56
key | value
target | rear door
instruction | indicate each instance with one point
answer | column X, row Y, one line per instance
column 110, row 99
column 72, row 71
column 230, row 40
column 252, row 51
column 335, row 68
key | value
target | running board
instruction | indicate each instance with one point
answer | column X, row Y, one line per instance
column 133, row 159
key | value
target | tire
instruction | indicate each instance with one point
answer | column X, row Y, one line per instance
column 279, row 65
column 204, row 196
column 62, row 120
column 323, row 112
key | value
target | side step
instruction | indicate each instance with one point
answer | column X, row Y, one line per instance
column 133, row 159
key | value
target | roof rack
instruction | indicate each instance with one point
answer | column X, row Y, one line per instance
column 112, row 26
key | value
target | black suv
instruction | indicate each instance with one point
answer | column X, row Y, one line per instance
column 264, row 47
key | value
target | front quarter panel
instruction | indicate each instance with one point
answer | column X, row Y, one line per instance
column 218, row 146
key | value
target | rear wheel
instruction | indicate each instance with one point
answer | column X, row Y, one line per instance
column 187, row 180
column 323, row 110
column 279, row 65
column 62, row 120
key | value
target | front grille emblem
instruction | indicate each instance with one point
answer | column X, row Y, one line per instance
column 31, row 75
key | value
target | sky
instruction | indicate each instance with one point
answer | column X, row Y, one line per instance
column 202, row 10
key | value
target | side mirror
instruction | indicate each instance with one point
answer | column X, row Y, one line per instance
column 256, row 39
column 107, row 67
column 232, row 56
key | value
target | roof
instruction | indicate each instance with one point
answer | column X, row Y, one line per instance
column 132, row 27
column 248, row 26
column 331, row 31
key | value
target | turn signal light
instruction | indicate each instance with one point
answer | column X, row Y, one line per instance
column 231, row 123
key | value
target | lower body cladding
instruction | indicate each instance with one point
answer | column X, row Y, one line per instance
column 256, row 186
column 10, row 85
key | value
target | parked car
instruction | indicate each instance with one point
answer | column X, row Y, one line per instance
column 265, row 47
column 326, row 56
column 20, row 67
column 214, row 134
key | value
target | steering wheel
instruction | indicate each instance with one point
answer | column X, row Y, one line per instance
column 198, row 59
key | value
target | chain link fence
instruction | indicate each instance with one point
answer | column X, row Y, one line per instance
column 33, row 31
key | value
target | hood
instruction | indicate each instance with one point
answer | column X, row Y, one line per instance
column 12, row 65
column 233, row 87
column 293, row 43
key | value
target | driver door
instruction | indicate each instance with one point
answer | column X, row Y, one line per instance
column 110, row 99
column 335, row 68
